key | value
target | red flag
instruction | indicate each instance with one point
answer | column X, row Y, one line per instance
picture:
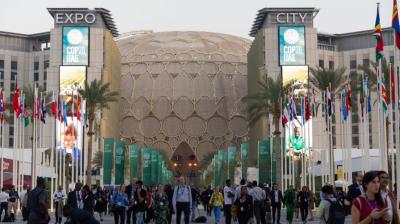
column 392, row 90
column 308, row 109
column 16, row 105
column 348, row 99
column 71, row 109
column 78, row 108
column 54, row 107
column 395, row 23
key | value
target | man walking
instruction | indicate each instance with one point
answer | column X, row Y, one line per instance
column 276, row 203
column 259, row 197
column 37, row 204
column 130, row 190
column 3, row 202
column 13, row 203
column 229, row 197
column 75, row 198
column 356, row 188
column 182, row 200
column 139, row 203
column 59, row 197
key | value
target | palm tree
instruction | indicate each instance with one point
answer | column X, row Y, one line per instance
column 267, row 101
column 370, row 73
column 97, row 96
column 321, row 78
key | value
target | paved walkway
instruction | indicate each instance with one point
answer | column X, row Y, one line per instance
column 110, row 219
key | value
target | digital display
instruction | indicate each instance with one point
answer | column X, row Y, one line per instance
column 71, row 79
column 291, row 45
column 297, row 77
column 75, row 45
column 70, row 136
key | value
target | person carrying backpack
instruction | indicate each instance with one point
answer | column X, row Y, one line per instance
column 330, row 210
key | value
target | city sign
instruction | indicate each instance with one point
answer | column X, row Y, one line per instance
column 291, row 17
column 75, row 18
column 292, row 45
column 75, row 45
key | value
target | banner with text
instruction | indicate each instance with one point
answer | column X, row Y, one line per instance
column 146, row 166
column 264, row 161
column 108, row 153
column 75, row 42
column 119, row 162
column 134, row 161
column 292, row 45
column 244, row 151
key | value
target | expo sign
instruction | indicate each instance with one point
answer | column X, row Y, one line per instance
column 75, row 18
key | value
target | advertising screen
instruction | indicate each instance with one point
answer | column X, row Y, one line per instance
column 297, row 77
column 291, row 45
column 70, row 136
column 75, row 45
column 71, row 78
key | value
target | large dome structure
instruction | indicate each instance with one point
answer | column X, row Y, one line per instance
column 181, row 91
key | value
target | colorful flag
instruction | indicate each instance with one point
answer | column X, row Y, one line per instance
column 378, row 35
column 392, row 89
column 54, row 106
column 16, row 107
column 348, row 98
column 2, row 106
column 302, row 111
column 43, row 109
column 71, row 109
column 64, row 111
column 395, row 23
column 26, row 115
column 308, row 109
column 78, row 108
column 314, row 107
column 22, row 106
column 384, row 97
column 36, row 105
column 343, row 105
column 292, row 108
column 368, row 96
column 362, row 96
column 329, row 100
column 285, row 113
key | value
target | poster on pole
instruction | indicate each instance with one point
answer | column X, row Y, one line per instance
column 244, row 151
column 154, row 166
column 108, row 152
column 119, row 162
column 264, row 161
column 75, row 45
column 146, row 166
column 134, row 161
column 292, row 45
column 231, row 162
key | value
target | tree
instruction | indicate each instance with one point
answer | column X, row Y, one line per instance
column 265, row 102
column 98, row 96
column 321, row 78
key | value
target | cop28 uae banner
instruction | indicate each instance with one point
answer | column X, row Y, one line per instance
column 134, row 161
column 75, row 45
column 108, row 153
column 119, row 162
column 231, row 162
column 244, row 152
column 146, row 166
column 292, row 45
column 264, row 161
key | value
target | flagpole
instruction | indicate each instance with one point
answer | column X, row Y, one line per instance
column 391, row 126
column 396, row 87
column 2, row 153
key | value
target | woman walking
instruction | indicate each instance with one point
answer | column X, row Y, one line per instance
column 370, row 207
column 149, row 205
column 119, row 203
column 290, row 203
column 88, row 201
column 170, row 193
column 160, row 206
column 100, row 202
column 311, row 204
column 217, row 201
column 243, row 206
column 303, row 199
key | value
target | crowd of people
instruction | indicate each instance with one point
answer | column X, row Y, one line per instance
column 369, row 200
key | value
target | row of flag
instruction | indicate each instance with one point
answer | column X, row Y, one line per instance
column 60, row 108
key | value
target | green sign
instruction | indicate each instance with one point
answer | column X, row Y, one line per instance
column 264, row 170
column 154, row 166
column 273, row 176
column 134, row 161
column 292, row 45
column 75, row 45
column 231, row 162
column 146, row 166
column 119, row 162
column 108, row 152
column 244, row 152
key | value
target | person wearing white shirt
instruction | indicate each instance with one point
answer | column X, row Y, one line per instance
column 3, row 202
column 229, row 197
column 59, row 197
column 259, row 197
column 238, row 188
column 387, row 195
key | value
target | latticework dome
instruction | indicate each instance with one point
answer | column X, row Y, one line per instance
column 184, row 87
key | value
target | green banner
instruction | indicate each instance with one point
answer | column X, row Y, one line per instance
column 273, row 176
column 146, row 166
column 216, row 171
column 160, row 165
column 154, row 166
column 231, row 162
column 244, row 152
column 222, row 158
column 119, row 162
column 134, row 161
column 263, row 161
column 108, row 152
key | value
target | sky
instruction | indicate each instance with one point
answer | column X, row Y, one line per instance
column 224, row 16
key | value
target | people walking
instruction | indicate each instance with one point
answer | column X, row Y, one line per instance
column 229, row 199
column 75, row 198
column 3, row 202
column 356, row 188
column 120, row 203
column 370, row 207
column 290, row 203
column 24, row 204
column 195, row 197
column 37, row 204
column 12, row 203
column 303, row 199
column 139, row 202
column 259, row 197
column 182, row 200
column 325, row 204
column 88, row 200
column 58, row 197
column 311, row 204
column 100, row 202
column 217, row 201
column 388, row 196
column 205, row 198
column 244, row 206
column 149, row 204
column 276, row 203
column 160, row 206
column 130, row 191
column 170, row 193
column 77, row 215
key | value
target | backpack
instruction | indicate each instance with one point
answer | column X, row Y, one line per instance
column 337, row 213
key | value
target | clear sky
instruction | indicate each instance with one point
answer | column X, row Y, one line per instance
column 225, row 16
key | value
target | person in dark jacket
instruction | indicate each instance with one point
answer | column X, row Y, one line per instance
column 170, row 193
column 88, row 201
column 244, row 205
column 75, row 198
column 78, row 216
column 276, row 203
column 100, row 202
column 356, row 189
column 303, row 198
column 130, row 191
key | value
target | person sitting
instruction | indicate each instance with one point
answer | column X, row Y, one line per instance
column 78, row 216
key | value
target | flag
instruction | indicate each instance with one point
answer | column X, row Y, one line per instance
column 71, row 109
column 2, row 106
column 308, row 109
column 78, row 108
column 292, row 108
column 314, row 107
column 285, row 113
column 54, row 106
column 43, row 109
column 384, row 97
column 36, row 105
column 16, row 108
column 302, row 111
column 343, row 105
column 329, row 100
column 362, row 96
column 22, row 106
column 348, row 98
column 368, row 96
column 378, row 35
column 26, row 115
column 392, row 89
column 59, row 106
column 64, row 115
column 395, row 23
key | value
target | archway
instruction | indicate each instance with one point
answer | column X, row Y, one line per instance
column 185, row 162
